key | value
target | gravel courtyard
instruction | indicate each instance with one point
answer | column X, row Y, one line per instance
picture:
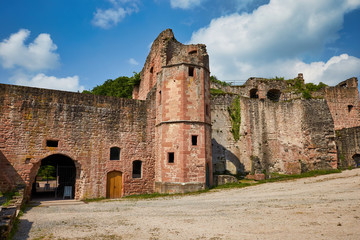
column 324, row 207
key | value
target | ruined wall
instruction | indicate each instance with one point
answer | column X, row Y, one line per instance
column 348, row 144
column 86, row 127
column 343, row 101
column 275, row 136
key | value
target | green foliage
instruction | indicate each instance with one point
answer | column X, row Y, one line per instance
column 214, row 91
column 214, row 79
column 298, row 86
column 235, row 117
column 87, row 200
column 120, row 87
column 8, row 196
column 276, row 79
column 47, row 171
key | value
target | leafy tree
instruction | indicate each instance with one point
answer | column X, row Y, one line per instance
column 120, row 87
column 46, row 171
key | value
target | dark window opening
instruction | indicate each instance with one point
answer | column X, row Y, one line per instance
column 52, row 143
column 151, row 69
column 193, row 52
column 191, row 71
column 194, row 140
column 254, row 93
column 171, row 157
column 344, row 85
column 356, row 158
column 114, row 153
column 159, row 97
column 273, row 95
column 136, row 173
column 350, row 107
column 27, row 160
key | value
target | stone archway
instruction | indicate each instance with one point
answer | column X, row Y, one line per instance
column 55, row 178
column 356, row 159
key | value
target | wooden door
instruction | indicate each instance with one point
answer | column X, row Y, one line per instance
column 113, row 185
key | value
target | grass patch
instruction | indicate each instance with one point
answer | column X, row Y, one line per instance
column 9, row 196
column 214, row 91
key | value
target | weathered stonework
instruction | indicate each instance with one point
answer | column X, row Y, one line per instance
column 281, row 131
column 172, row 136
column 170, row 108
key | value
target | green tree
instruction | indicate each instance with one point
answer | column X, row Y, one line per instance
column 120, row 87
column 46, row 171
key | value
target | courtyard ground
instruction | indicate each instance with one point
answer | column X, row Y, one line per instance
column 323, row 207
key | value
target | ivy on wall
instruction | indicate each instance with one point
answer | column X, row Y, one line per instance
column 235, row 117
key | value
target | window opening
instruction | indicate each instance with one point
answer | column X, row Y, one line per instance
column 52, row 143
column 254, row 93
column 171, row 157
column 273, row 95
column 193, row 52
column 194, row 140
column 136, row 173
column 151, row 69
column 159, row 97
column 356, row 158
column 191, row 71
column 350, row 107
column 114, row 153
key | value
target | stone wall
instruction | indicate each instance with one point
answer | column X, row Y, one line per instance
column 286, row 136
column 343, row 101
column 86, row 127
column 348, row 144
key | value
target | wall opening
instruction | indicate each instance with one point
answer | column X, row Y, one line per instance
column 273, row 95
column 191, row 71
column 350, row 107
column 193, row 52
column 114, row 153
column 152, row 70
column 171, row 157
column 194, row 139
column 136, row 170
column 52, row 143
column 55, row 178
column 356, row 158
column 254, row 93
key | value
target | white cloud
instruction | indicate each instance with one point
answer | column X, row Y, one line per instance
column 50, row 82
column 38, row 55
column 133, row 62
column 185, row 4
column 25, row 62
column 111, row 17
column 273, row 39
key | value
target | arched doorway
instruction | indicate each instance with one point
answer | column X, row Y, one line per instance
column 356, row 158
column 55, row 178
column 114, row 184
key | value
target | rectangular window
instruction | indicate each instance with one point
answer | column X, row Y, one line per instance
column 194, row 140
column 52, row 143
column 171, row 157
column 114, row 153
column 191, row 71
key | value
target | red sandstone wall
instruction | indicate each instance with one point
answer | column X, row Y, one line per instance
column 339, row 99
column 86, row 127
column 288, row 137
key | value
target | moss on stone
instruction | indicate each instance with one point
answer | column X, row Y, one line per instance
column 235, row 117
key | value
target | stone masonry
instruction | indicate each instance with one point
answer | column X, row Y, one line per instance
column 173, row 135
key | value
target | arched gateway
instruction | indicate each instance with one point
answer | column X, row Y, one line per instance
column 55, row 178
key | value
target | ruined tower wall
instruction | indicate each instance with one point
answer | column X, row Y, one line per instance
column 86, row 127
column 275, row 136
column 343, row 101
column 348, row 144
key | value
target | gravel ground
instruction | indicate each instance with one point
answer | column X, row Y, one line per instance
column 324, row 207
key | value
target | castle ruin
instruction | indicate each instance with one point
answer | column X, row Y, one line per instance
column 173, row 135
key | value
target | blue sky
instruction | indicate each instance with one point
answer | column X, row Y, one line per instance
column 78, row 44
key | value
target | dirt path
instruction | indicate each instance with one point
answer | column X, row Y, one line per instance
column 325, row 207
